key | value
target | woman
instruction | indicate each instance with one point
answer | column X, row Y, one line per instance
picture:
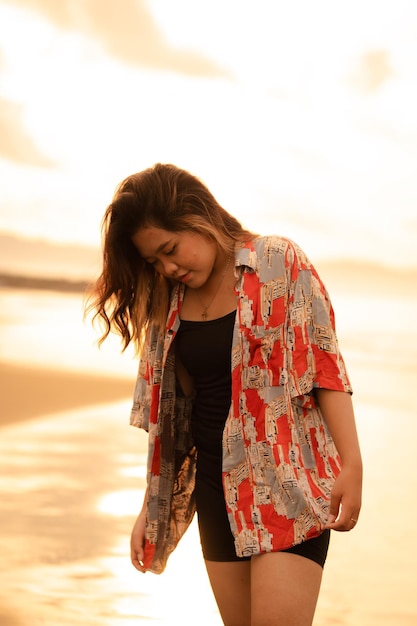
column 242, row 389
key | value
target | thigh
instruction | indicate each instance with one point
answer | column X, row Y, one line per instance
column 231, row 585
column 284, row 589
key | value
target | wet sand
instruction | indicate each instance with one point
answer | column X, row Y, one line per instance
column 56, row 464
column 31, row 392
column 71, row 485
column 72, row 472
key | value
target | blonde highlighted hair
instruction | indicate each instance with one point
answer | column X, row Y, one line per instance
column 130, row 295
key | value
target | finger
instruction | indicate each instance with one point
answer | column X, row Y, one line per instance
column 339, row 525
column 330, row 521
column 346, row 522
column 334, row 510
column 137, row 562
column 353, row 520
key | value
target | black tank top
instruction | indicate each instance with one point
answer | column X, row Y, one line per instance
column 205, row 351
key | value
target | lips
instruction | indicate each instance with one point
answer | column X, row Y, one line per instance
column 184, row 277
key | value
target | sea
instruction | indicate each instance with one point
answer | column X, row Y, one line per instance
column 71, row 481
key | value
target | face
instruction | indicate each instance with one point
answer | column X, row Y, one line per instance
column 183, row 256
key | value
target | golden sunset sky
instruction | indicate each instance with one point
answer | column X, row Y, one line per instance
column 300, row 116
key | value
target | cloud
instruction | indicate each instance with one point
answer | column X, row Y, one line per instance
column 127, row 31
column 373, row 71
column 16, row 143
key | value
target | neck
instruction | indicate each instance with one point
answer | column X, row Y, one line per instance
column 214, row 289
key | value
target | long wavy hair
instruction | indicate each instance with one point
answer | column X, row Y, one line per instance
column 130, row 295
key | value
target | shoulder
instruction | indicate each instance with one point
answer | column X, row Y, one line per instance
column 273, row 244
column 272, row 251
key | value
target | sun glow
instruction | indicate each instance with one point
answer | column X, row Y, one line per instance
column 315, row 116
column 121, row 503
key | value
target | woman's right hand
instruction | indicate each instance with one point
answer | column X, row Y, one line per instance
column 137, row 542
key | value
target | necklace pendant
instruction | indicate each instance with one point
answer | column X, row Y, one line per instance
column 204, row 314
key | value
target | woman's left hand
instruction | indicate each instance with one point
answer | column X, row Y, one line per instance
column 345, row 500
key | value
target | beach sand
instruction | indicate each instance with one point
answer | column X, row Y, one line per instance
column 30, row 392
column 55, row 466
column 71, row 484
column 72, row 477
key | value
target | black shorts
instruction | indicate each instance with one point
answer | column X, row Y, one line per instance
column 216, row 538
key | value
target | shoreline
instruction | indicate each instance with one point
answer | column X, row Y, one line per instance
column 30, row 392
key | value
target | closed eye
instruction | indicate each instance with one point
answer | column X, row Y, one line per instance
column 162, row 249
column 171, row 251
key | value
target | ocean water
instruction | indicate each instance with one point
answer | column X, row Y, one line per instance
column 47, row 329
column 71, row 483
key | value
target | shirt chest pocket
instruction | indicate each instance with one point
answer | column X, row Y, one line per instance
column 265, row 351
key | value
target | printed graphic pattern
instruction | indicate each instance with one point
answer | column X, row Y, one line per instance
column 279, row 461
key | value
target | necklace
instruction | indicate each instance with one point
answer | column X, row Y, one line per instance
column 206, row 307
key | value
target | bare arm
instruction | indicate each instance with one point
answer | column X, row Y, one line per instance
column 345, row 502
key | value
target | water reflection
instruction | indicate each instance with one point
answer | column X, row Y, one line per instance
column 120, row 503
column 72, row 484
column 70, row 488
column 44, row 328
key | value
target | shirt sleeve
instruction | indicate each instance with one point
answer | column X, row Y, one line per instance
column 313, row 356
column 142, row 395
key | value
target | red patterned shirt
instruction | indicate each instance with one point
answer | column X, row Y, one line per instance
column 279, row 461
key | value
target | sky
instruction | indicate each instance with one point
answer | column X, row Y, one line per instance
column 300, row 116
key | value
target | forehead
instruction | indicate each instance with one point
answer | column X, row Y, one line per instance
column 151, row 240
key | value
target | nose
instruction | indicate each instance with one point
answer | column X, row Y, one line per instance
column 170, row 268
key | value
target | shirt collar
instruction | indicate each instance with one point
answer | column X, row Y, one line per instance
column 246, row 255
